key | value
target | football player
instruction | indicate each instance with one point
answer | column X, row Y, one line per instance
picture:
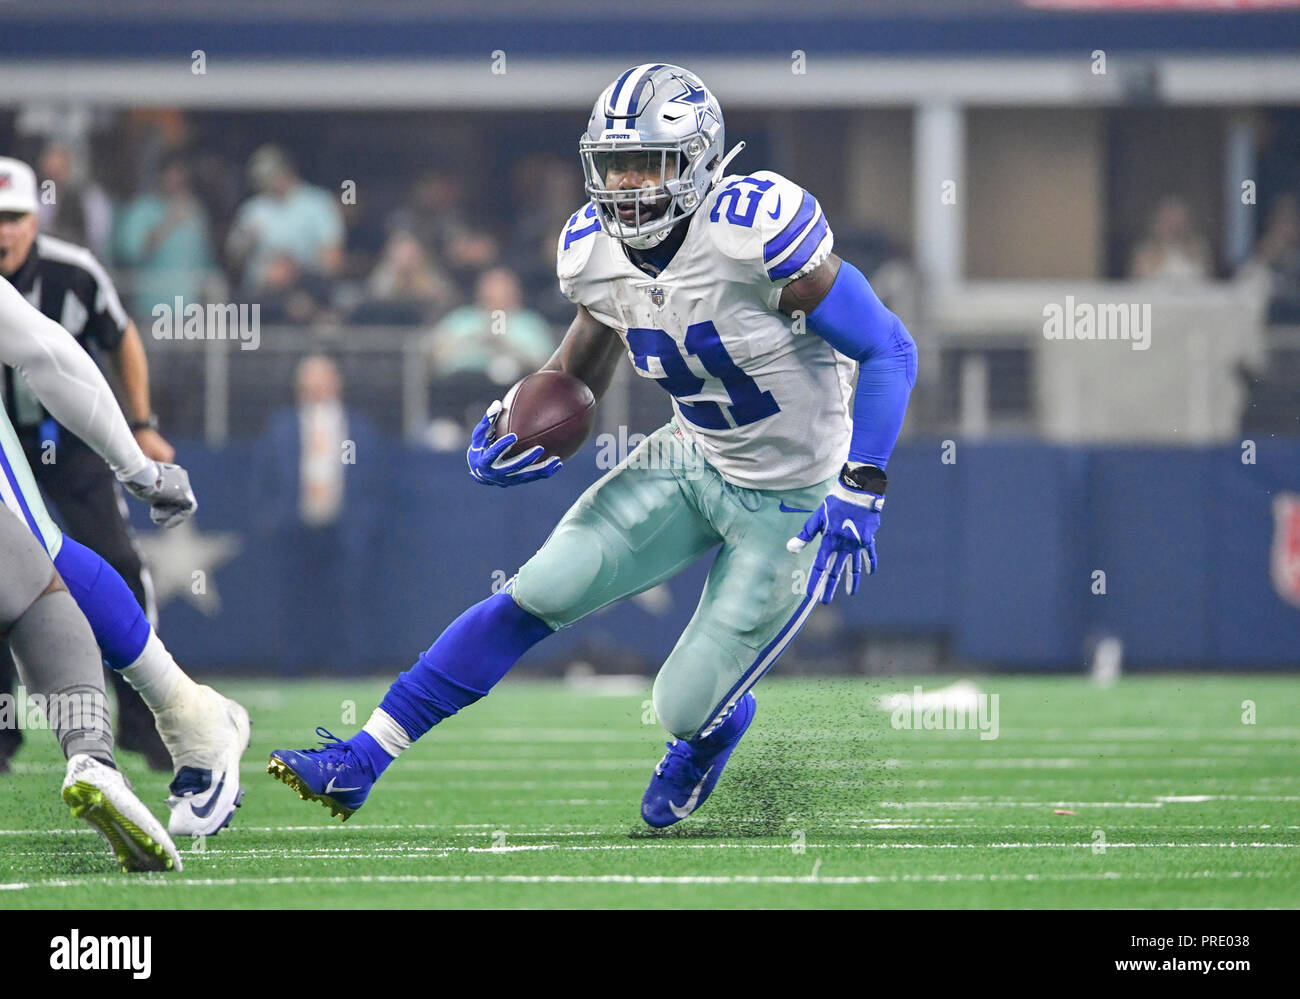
column 41, row 622
column 789, row 382
column 70, row 286
column 205, row 733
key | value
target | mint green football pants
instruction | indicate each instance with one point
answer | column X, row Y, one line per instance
column 645, row 520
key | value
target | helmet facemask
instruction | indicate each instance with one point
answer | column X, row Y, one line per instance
column 666, row 194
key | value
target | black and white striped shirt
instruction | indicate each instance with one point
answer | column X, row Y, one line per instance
column 66, row 283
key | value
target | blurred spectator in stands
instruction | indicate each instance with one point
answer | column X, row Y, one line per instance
column 495, row 336
column 79, row 211
column 162, row 236
column 476, row 350
column 220, row 190
column 546, row 191
column 435, row 214
column 1171, row 250
column 320, row 472
column 364, row 240
column 289, row 230
column 1277, row 257
column 405, row 287
column 289, row 294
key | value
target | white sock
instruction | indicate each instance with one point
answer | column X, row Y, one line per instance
column 155, row 674
column 392, row 738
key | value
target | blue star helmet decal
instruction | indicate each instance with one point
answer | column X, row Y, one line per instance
column 695, row 99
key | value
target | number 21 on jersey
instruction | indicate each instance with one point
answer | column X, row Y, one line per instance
column 749, row 403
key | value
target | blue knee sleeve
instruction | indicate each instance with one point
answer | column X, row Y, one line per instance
column 466, row 661
column 119, row 624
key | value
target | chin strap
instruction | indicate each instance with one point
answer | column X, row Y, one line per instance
column 721, row 170
column 718, row 173
column 651, row 241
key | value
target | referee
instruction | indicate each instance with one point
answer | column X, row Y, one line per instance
column 67, row 284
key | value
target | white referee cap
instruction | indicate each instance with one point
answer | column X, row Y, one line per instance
column 17, row 186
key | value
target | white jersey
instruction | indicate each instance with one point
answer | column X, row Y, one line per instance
column 67, row 382
column 766, row 402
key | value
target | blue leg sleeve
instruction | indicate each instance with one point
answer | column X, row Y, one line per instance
column 466, row 661
column 119, row 624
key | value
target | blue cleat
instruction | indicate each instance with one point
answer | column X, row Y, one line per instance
column 334, row 775
column 690, row 770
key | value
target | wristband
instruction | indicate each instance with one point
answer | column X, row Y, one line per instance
column 863, row 478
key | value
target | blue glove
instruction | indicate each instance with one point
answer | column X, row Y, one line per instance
column 488, row 462
column 847, row 521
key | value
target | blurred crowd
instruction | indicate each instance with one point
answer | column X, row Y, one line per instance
column 310, row 255
column 195, row 223
column 1174, row 248
column 197, row 227
column 459, row 255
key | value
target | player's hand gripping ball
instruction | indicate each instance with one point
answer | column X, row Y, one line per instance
column 546, row 416
column 490, row 463
column 847, row 521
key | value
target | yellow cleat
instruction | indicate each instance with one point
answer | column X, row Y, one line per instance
column 101, row 796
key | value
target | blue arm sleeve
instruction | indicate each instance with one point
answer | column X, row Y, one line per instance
column 853, row 320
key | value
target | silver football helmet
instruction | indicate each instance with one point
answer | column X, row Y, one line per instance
column 655, row 139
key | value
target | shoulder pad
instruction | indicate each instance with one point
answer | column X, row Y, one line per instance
column 771, row 221
column 575, row 245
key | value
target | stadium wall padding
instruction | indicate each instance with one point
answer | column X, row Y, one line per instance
column 994, row 555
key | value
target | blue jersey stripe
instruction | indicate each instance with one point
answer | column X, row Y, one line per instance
column 18, row 494
column 803, row 253
column 786, row 236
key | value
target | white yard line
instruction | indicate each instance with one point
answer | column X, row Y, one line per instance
column 483, row 829
column 399, row 852
column 625, row 879
column 989, row 802
column 812, row 768
column 678, row 844
column 1052, row 762
column 833, row 820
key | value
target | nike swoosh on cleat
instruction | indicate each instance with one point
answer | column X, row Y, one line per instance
column 776, row 213
column 203, row 811
column 689, row 807
column 790, row 509
column 330, row 788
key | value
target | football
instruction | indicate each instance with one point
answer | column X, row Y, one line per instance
column 548, row 408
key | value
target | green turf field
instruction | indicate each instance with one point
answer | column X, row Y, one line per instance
column 531, row 799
